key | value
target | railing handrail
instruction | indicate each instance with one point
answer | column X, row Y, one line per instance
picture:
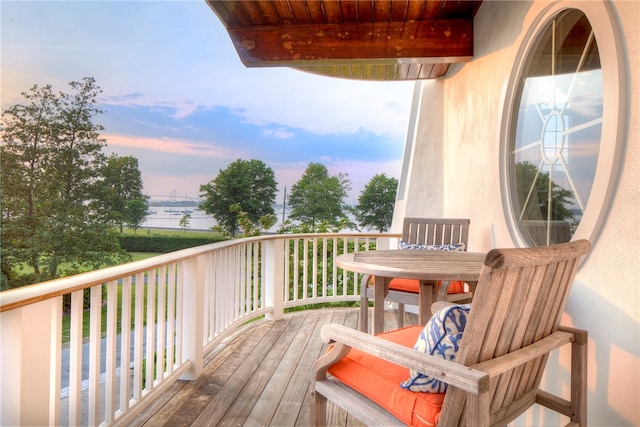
column 25, row 295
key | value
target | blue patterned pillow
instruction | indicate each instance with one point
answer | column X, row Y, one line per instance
column 452, row 247
column 440, row 337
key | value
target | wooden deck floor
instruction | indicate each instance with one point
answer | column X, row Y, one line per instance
column 259, row 377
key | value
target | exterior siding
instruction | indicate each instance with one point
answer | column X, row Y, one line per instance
column 455, row 149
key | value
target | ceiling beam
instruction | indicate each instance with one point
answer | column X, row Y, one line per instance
column 426, row 41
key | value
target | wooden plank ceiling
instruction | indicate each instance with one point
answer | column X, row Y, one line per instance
column 357, row 39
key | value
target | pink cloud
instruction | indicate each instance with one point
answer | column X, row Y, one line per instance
column 172, row 146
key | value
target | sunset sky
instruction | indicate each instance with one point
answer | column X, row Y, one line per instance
column 176, row 96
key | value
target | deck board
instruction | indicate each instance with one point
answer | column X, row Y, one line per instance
column 245, row 410
column 291, row 406
column 267, row 405
column 259, row 377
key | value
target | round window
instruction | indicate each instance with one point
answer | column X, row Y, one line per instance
column 554, row 133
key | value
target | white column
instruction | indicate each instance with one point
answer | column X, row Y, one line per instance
column 192, row 273
column 29, row 351
column 273, row 275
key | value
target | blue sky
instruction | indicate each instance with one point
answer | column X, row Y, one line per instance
column 176, row 95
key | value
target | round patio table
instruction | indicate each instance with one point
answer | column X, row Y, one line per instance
column 428, row 267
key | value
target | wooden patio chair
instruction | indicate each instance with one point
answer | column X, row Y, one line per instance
column 421, row 232
column 512, row 326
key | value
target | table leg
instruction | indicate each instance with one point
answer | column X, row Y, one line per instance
column 426, row 298
column 379, row 292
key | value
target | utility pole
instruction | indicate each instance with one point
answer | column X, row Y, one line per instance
column 284, row 203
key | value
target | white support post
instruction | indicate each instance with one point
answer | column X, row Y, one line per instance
column 28, row 353
column 192, row 273
column 383, row 243
column 273, row 276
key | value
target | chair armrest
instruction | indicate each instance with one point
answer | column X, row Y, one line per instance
column 364, row 283
column 580, row 336
column 465, row 378
column 501, row 364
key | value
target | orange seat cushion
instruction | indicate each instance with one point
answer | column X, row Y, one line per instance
column 380, row 380
column 412, row 285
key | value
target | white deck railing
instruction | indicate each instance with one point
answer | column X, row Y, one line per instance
column 152, row 322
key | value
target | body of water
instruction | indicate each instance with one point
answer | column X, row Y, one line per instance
column 170, row 216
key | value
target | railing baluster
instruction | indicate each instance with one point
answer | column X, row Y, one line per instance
column 94, row 353
column 296, row 261
column 218, row 291
column 75, row 359
column 207, row 299
column 222, row 304
column 240, row 285
column 125, row 344
column 287, row 273
column 177, row 279
column 246, row 279
column 314, row 268
column 150, row 329
column 324, row 269
column 215, row 294
column 173, row 319
column 305, row 268
column 238, row 281
column 345, row 273
column 161, row 324
column 230, row 272
column 138, row 336
column 110, row 352
column 334, row 270
column 251, row 278
column 255, row 302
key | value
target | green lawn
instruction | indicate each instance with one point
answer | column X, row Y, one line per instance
column 137, row 256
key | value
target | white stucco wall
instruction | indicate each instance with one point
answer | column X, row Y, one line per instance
column 460, row 156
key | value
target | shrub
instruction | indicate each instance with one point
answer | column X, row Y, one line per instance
column 163, row 244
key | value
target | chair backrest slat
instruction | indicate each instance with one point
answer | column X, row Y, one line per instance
column 519, row 300
column 435, row 231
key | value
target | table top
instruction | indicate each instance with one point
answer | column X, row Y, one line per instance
column 415, row 264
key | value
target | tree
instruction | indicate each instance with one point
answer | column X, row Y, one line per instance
column 318, row 198
column 249, row 227
column 121, row 188
column 535, row 204
column 51, row 210
column 185, row 222
column 135, row 212
column 27, row 137
column 376, row 202
column 247, row 186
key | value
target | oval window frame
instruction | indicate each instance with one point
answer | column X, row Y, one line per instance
column 606, row 30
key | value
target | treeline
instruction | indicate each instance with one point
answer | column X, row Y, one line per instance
column 63, row 199
column 241, row 199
